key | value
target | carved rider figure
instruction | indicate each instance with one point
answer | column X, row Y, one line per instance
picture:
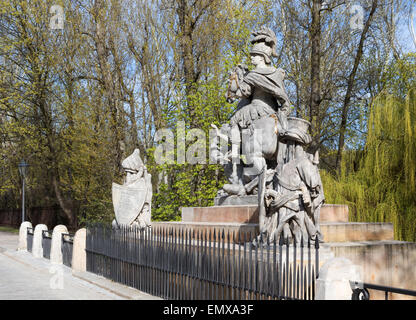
column 262, row 89
column 264, row 106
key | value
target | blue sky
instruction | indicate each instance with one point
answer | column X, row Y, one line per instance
column 404, row 34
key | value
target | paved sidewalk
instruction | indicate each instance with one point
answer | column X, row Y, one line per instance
column 24, row 277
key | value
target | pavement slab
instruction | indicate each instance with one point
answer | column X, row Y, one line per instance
column 24, row 277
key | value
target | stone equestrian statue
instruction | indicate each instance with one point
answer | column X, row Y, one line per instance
column 262, row 117
column 264, row 106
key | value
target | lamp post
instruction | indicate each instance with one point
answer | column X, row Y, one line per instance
column 22, row 170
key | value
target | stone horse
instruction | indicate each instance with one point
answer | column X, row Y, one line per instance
column 262, row 139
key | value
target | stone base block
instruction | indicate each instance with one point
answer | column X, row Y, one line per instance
column 357, row 231
column 249, row 213
column 332, row 232
column 236, row 200
column 221, row 214
column 248, row 231
column 385, row 263
column 334, row 279
column 334, row 213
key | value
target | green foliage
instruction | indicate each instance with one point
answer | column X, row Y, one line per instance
column 383, row 188
column 9, row 229
column 185, row 185
column 189, row 185
column 401, row 75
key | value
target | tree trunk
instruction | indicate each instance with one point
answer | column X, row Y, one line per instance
column 186, row 45
column 315, row 95
column 108, row 84
column 351, row 79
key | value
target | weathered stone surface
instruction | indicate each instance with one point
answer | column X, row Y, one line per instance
column 385, row 263
column 331, row 231
column 357, row 231
column 23, row 235
column 209, row 228
column 79, row 256
column 234, row 200
column 221, row 214
column 249, row 213
column 132, row 201
column 56, row 245
column 37, row 249
column 334, row 279
column 334, row 213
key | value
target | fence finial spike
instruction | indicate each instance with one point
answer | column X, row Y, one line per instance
column 316, row 242
column 281, row 240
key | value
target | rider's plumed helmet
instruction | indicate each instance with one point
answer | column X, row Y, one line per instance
column 264, row 43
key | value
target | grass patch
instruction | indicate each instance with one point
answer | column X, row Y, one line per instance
column 8, row 229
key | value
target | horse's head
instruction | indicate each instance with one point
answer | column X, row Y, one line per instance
column 231, row 94
column 236, row 76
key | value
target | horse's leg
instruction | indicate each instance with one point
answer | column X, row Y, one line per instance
column 261, row 194
column 254, row 156
column 236, row 186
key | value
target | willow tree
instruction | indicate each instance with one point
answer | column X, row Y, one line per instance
column 383, row 189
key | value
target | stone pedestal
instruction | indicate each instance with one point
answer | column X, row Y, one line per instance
column 248, row 213
column 370, row 246
column 333, row 221
column 222, row 214
column 244, row 219
column 236, row 200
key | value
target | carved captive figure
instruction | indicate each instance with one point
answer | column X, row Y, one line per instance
column 293, row 205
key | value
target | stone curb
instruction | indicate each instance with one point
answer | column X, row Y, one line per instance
column 114, row 287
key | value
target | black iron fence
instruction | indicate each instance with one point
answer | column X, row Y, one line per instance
column 46, row 243
column 66, row 247
column 186, row 264
column 360, row 290
column 29, row 239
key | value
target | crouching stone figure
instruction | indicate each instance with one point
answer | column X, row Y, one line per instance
column 293, row 205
